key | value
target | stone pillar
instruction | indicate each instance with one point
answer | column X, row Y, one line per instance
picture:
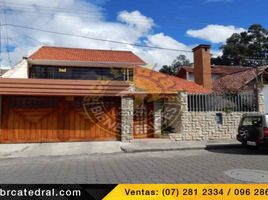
column 127, row 110
column 158, row 118
column 182, row 100
column 181, row 117
column 261, row 107
column 182, row 106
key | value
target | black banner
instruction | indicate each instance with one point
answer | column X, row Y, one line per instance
column 57, row 191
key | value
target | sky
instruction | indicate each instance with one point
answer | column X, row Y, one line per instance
column 179, row 25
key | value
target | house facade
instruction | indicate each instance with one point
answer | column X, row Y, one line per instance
column 217, row 71
column 216, row 115
column 66, row 94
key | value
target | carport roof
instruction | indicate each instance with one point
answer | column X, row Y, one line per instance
column 52, row 87
column 150, row 81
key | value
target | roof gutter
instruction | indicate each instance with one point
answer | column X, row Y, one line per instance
column 71, row 63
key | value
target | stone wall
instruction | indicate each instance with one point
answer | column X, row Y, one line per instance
column 203, row 125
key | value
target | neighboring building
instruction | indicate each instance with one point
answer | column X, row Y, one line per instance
column 217, row 71
column 248, row 80
column 216, row 115
column 222, row 78
column 68, row 94
column 241, row 81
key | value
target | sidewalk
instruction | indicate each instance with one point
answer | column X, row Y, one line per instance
column 111, row 147
column 168, row 145
column 58, row 149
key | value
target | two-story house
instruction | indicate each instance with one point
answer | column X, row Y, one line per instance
column 68, row 94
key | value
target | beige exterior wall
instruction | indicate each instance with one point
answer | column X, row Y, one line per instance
column 18, row 71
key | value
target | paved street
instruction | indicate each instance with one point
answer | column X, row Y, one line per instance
column 195, row 166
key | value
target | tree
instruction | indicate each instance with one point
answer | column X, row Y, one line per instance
column 249, row 48
column 173, row 69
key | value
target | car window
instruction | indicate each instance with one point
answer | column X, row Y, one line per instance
column 252, row 121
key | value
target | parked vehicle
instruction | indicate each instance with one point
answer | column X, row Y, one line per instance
column 253, row 130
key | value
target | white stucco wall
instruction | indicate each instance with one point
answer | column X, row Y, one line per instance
column 190, row 76
column 18, row 71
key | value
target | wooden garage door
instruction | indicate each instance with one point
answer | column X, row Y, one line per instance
column 55, row 119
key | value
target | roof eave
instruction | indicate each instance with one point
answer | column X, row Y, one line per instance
column 52, row 87
column 74, row 63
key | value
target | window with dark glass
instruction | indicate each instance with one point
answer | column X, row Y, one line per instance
column 81, row 73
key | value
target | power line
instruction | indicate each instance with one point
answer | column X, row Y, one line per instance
column 49, row 7
column 48, row 11
column 6, row 39
column 102, row 63
column 29, row 37
column 242, row 70
column 97, row 39
column 75, row 11
column 137, row 22
column 166, row 23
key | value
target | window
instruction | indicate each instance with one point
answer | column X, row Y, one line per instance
column 252, row 121
column 81, row 73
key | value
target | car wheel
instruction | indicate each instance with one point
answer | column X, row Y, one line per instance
column 243, row 134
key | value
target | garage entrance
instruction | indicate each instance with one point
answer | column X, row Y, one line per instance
column 56, row 119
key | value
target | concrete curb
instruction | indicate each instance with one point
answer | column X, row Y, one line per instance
column 206, row 147
column 127, row 150
column 224, row 146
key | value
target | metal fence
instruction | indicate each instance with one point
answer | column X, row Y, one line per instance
column 221, row 102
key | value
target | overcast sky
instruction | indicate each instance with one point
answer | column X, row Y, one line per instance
column 175, row 24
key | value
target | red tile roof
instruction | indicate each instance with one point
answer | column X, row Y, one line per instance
column 237, row 81
column 85, row 55
column 151, row 81
column 220, row 69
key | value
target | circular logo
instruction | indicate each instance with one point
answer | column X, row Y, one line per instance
column 104, row 112
column 156, row 105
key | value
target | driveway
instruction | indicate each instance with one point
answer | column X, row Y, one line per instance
column 191, row 166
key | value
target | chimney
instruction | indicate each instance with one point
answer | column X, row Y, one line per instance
column 202, row 66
